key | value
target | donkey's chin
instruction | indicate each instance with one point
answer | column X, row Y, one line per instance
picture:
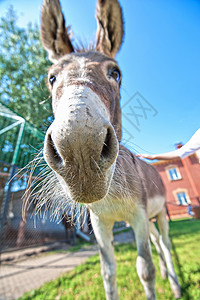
column 89, row 190
column 87, row 198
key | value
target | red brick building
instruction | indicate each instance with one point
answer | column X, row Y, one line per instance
column 181, row 178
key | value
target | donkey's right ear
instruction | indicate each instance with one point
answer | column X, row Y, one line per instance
column 54, row 35
column 110, row 27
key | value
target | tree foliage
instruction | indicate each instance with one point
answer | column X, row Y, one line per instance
column 23, row 68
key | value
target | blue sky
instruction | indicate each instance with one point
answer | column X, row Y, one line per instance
column 160, row 62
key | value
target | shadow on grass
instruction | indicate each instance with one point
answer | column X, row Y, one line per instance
column 184, row 285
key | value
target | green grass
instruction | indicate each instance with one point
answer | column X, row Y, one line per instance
column 85, row 282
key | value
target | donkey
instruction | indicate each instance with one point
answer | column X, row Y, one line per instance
column 83, row 145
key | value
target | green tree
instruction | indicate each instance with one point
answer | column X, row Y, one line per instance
column 23, row 68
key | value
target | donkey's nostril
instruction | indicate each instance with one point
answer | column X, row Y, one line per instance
column 110, row 147
column 106, row 145
column 50, row 151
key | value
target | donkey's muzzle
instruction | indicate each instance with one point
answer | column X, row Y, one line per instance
column 81, row 145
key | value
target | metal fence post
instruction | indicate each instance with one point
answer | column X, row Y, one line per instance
column 5, row 204
column 8, row 186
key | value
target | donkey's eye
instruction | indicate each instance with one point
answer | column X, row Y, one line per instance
column 115, row 73
column 52, row 79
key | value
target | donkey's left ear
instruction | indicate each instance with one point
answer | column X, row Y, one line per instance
column 110, row 28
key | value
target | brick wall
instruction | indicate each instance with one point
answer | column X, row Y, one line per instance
column 189, row 169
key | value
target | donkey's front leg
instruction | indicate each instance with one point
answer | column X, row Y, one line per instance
column 104, row 236
column 145, row 268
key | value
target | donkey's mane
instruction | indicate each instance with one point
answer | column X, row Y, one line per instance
column 82, row 46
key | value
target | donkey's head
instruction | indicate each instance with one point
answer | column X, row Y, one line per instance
column 82, row 143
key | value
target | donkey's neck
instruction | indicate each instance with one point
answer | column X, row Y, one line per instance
column 133, row 186
column 124, row 190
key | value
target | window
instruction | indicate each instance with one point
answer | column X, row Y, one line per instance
column 182, row 198
column 174, row 174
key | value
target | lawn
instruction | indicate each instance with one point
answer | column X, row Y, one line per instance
column 85, row 282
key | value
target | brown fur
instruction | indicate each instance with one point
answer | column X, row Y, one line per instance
column 147, row 182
